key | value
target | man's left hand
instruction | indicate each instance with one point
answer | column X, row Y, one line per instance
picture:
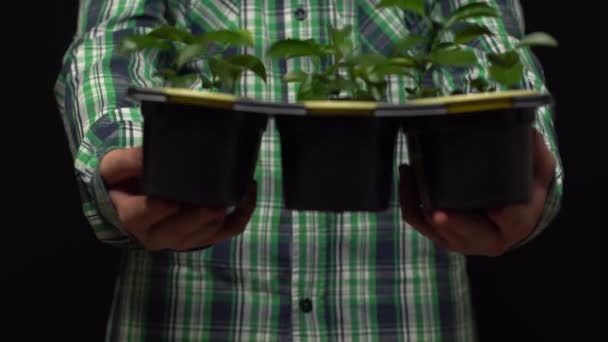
column 491, row 234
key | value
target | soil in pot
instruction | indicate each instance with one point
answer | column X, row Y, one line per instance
column 337, row 163
column 473, row 161
column 199, row 155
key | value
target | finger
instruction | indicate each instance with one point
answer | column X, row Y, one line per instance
column 119, row 165
column 544, row 161
column 410, row 205
column 469, row 234
column 181, row 231
column 517, row 222
column 138, row 212
column 237, row 221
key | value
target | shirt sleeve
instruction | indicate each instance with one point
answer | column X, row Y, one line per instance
column 507, row 29
column 91, row 95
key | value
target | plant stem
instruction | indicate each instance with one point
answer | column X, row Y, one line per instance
column 316, row 64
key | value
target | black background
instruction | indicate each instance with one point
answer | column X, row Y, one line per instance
column 60, row 278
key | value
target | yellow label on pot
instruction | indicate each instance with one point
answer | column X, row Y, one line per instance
column 340, row 107
column 474, row 102
column 456, row 108
column 200, row 98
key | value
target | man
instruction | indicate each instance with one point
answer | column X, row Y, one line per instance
column 274, row 274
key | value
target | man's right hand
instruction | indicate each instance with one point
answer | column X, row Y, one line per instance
column 159, row 224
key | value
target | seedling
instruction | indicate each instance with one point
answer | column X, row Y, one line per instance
column 445, row 45
column 210, row 47
column 339, row 72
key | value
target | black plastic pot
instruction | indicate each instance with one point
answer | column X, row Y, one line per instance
column 337, row 163
column 473, row 161
column 199, row 155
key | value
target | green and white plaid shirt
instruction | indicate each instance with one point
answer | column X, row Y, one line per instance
column 367, row 276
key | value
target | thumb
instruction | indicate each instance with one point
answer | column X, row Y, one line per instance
column 120, row 165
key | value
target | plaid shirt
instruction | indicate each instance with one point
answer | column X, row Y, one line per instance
column 292, row 275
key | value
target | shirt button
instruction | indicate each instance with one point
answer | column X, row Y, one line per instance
column 306, row 305
column 300, row 13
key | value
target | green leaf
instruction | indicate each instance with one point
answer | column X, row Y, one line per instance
column 172, row 33
column 538, row 39
column 470, row 33
column 340, row 45
column 183, row 81
column 507, row 76
column 444, row 46
column 249, row 62
column 295, row 76
column 406, row 62
column 227, row 37
column 506, row 59
column 190, row 53
column 305, row 91
column 389, row 69
column 290, row 48
column 409, row 42
column 369, row 60
column 368, row 65
column 338, row 36
column 474, row 10
column 346, row 49
column 327, row 50
column 320, row 87
column 453, row 56
column 226, row 72
column 416, row 6
column 312, row 88
column 134, row 43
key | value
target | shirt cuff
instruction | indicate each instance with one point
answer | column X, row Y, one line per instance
column 551, row 208
column 122, row 128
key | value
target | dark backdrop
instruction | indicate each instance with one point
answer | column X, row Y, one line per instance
column 550, row 290
column 60, row 279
